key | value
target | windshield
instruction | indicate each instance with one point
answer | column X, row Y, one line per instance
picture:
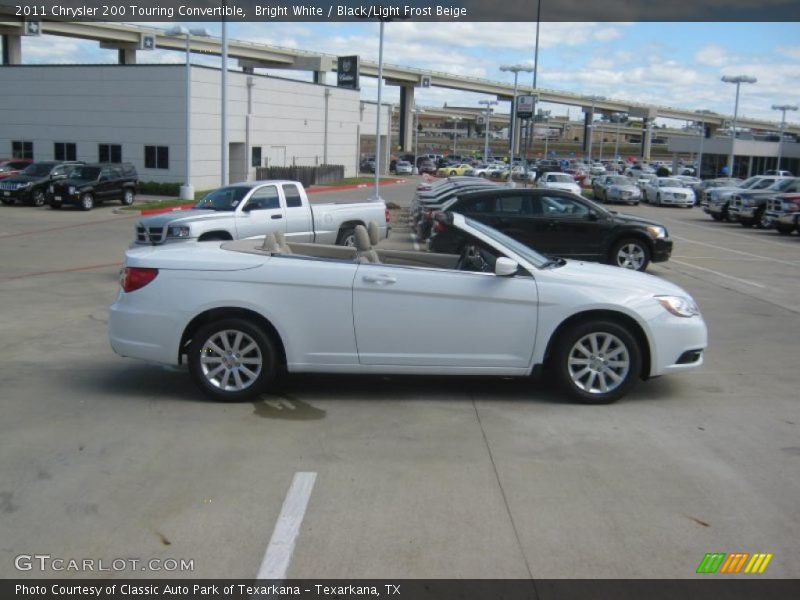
column 748, row 183
column 39, row 169
column 528, row 254
column 781, row 185
column 764, row 183
column 619, row 181
column 86, row 173
column 561, row 178
column 223, row 199
column 670, row 183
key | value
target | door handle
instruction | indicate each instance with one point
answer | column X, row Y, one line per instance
column 276, row 217
column 380, row 279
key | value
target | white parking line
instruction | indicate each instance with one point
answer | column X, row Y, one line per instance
column 742, row 252
column 718, row 274
column 281, row 545
column 726, row 230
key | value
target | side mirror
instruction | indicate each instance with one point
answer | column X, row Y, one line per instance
column 505, row 267
column 593, row 216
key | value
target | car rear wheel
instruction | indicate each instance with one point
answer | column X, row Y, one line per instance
column 762, row 221
column 783, row 229
column 127, row 197
column 55, row 205
column 746, row 222
column 87, row 202
column 631, row 253
column 38, row 198
column 717, row 217
column 453, row 173
column 347, row 237
column 596, row 362
column 232, row 359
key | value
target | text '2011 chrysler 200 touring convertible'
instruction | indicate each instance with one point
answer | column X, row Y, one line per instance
column 238, row 311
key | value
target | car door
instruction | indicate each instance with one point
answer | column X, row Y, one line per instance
column 104, row 188
column 574, row 229
column 299, row 225
column 261, row 214
column 441, row 318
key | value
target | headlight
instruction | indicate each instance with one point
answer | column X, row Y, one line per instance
column 27, row 184
column 657, row 232
column 680, row 306
column 50, row 189
column 178, row 232
column 71, row 189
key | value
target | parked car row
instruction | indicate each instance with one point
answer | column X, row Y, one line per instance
column 762, row 201
column 60, row 183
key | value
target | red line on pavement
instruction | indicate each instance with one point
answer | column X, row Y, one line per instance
column 73, row 270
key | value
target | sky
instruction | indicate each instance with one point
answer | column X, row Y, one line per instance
column 671, row 64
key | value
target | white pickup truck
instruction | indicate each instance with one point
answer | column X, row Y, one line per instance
column 255, row 208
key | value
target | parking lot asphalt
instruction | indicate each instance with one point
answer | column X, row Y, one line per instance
column 103, row 457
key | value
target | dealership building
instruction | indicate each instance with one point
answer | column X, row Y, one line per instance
column 137, row 114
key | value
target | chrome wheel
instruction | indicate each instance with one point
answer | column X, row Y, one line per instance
column 231, row 360
column 631, row 256
column 598, row 363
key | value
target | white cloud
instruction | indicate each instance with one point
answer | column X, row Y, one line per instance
column 713, row 56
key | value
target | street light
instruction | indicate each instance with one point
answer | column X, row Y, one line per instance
column 516, row 69
column 618, row 117
column 455, row 121
column 417, row 112
column 783, row 108
column 738, row 80
column 594, row 100
column 488, row 104
column 187, row 190
column 702, row 130
column 377, row 196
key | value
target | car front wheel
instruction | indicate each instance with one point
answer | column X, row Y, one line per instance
column 232, row 359
column 87, row 202
column 631, row 254
column 38, row 198
column 597, row 362
column 127, row 197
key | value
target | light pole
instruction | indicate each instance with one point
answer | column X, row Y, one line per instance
column 545, row 118
column 455, row 121
column 377, row 196
column 224, row 108
column 594, row 100
column 417, row 112
column 783, row 108
column 187, row 190
column 488, row 104
column 516, row 69
column 738, row 80
column 700, row 151
column 618, row 117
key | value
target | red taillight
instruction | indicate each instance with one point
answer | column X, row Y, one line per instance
column 438, row 227
column 134, row 278
column 388, row 215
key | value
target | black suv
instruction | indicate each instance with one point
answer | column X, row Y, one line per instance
column 560, row 224
column 30, row 186
column 88, row 185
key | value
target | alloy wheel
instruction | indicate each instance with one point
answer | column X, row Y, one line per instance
column 231, row 360
column 631, row 256
column 598, row 363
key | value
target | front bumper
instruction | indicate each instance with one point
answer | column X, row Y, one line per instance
column 662, row 250
column 679, row 343
column 673, row 201
column 21, row 195
column 59, row 197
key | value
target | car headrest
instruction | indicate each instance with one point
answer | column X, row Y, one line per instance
column 374, row 233
column 362, row 239
column 270, row 243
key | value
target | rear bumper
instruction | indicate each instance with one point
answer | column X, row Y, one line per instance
column 128, row 329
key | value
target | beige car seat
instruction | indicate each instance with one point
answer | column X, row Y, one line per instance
column 366, row 253
column 281, row 239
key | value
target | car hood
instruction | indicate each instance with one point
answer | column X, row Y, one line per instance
column 623, row 218
column 624, row 281
column 624, row 188
column 22, row 179
column 560, row 185
column 183, row 217
column 676, row 190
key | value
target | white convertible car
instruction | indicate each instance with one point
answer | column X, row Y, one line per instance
column 238, row 311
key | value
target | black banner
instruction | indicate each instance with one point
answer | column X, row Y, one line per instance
column 411, row 10
column 711, row 588
column 347, row 72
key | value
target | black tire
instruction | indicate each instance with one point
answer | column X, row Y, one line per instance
column 203, row 374
column 453, row 173
column 760, row 222
column 6, row 201
column 641, row 264
column 38, row 198
column 568, row 375
column 747, row 223
column 55, row 205
column 86, row 202
column 346, row 237
column 783, row 229
column 658, row 200
column 127, row 197
column 716, row 217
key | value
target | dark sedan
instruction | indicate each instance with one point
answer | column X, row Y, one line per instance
column 559, row 224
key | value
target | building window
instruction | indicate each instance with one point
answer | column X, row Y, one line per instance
column 65, row 151
column 22, row 150
column 255, row 156
column 156, row 157
column 109, row 153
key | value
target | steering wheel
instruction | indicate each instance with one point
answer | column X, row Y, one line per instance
column 471, row 259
